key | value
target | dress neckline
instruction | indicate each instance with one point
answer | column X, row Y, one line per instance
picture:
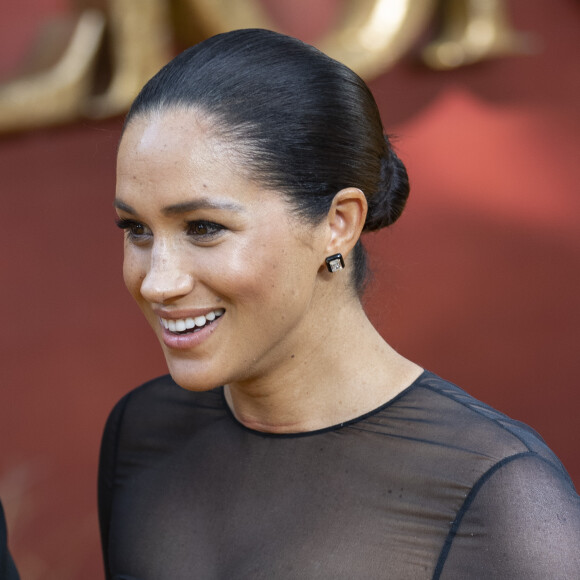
column 323, row 430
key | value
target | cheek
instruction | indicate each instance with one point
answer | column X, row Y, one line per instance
column 133, row 272
column 268, row 276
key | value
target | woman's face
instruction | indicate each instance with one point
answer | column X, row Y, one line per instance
column 229, row 280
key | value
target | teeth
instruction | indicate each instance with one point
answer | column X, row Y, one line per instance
column 183, row 324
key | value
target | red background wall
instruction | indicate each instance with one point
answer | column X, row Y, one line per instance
column 479, row 282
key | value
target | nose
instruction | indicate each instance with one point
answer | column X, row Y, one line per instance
column 167, row 278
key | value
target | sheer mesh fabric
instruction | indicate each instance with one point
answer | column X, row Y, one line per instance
column 434, row 484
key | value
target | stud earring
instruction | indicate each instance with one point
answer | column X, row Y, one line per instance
column 334, row 263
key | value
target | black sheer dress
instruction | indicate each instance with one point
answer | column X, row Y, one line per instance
column 434, row 484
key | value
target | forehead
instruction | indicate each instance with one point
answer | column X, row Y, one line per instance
column 174, row 135
column 175, row 157
column 176, row 147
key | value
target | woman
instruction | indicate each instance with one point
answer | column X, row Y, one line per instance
column 291, row 441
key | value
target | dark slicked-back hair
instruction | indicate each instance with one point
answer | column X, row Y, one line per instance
column 303, row 123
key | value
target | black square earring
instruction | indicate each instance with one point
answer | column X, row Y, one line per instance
column 334, row 263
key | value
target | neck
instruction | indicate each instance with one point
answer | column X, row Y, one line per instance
column 346, row 373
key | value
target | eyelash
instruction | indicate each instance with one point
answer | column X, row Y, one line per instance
column 129, row 227
column 212, row 229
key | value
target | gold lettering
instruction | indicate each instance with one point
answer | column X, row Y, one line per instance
column 369, row 36
column 472, row 31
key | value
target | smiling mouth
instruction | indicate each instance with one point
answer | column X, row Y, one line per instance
column 188, row 325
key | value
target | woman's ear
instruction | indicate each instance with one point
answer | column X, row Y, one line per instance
column 345, row 220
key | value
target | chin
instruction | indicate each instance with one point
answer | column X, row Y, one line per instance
column 192, row 379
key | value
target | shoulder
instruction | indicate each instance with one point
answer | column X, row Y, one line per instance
column 475, row 425
column 159, row 413
column 520, row 514
column 523, row 518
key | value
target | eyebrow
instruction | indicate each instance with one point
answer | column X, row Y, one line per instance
column 186, row 206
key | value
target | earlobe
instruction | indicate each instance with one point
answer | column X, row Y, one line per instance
column 346, row 220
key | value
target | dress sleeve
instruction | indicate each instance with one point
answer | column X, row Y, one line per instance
column 521, row 521
column 106, row 479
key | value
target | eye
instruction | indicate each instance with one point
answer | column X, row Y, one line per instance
column 136, row 231
column 204, row 229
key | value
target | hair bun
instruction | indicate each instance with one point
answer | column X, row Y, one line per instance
column 387, row 205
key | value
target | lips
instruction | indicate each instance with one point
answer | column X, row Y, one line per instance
column 190, row 324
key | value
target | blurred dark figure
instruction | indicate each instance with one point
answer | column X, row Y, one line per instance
column 7, row 568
